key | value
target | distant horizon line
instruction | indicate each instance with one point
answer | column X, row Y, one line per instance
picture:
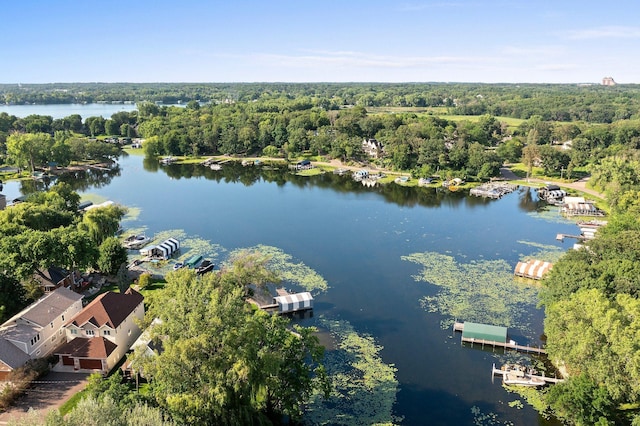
column 317, row 82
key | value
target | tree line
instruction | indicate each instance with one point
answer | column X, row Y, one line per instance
column 554, row 102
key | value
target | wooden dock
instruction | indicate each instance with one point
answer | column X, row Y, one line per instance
column 499, row 372
column 459, row 326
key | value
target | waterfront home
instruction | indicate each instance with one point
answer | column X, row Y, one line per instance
column 373, row 148
column 102, row 333
column 37, row 330
column 54, row 277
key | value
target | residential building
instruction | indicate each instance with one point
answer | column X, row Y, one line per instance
column 373, row 148
column 608, row 81
column 101, row 334
column 38, row 329
column 54, row 277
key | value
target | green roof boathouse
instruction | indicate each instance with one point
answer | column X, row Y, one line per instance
column 491, row 335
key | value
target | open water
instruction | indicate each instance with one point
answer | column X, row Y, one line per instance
column 355, row 238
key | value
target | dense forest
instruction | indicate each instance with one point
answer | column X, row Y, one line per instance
column 590, row 297
column 425, row 143
column 555, row 102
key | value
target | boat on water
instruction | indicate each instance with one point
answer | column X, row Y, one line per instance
column 517, row 375
column 135, row 242
column 204, row 267
column 215, row 166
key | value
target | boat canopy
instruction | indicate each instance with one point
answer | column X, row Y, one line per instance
column 533, row 269
column 193, row 261
column 164, row 250
column 493, row 333
column 294, row 302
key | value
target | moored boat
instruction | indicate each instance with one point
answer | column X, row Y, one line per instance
column 517, row 375
column 134, row 242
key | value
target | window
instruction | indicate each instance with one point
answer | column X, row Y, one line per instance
column 90, row 332
column 51, row 325
column 106, row 333
column 36, row 339
column 63, row 318
column 129, row 332
column 73, row 331
column 53, row 338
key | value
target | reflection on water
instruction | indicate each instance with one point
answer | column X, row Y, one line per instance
column 355, row 237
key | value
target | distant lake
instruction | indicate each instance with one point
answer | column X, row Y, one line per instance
column 369, row 244
column 64, row 110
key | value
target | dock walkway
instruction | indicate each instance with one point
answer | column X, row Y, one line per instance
column 459, row 326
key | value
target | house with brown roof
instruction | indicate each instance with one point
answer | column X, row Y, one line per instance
column 37, row 330
column 102, row 333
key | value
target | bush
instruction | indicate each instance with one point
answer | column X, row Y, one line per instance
column 144, row 280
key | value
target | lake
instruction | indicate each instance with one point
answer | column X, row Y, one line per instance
column 57, row 111
column 392, row 348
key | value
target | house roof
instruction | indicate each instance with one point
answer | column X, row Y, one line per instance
column 51, row 306
column 95, row 347
column 51, row 275
column 11, row 355
column 20, row 332
column 47, row 308
column 109, row 309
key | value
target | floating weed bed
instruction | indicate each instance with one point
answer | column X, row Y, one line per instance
column 550, row 214
column 364, row 387
column 481, row 291
column 484, row 419
column 290, row 271
column 133, row 213
column 546, row 252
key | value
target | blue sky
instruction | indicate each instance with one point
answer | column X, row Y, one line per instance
column 554, row 41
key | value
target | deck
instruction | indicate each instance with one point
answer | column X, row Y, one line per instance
column 459, row 326
column 499, row 372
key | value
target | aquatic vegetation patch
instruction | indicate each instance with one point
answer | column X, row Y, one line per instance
column 133, row 213
column 481, row 291
column 290, row 271
column 364, row 387
column 549, row 214
column 483, row 419
column 546, row 252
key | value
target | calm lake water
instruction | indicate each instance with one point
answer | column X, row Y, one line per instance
column 64, row 110
column 355, row 238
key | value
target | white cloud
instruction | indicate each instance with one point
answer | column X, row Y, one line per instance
column 604, row 32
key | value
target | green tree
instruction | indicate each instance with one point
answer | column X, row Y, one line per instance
column 270, row 151
column 580, row 401
column 112, row 255
column 102, row 223
column 223, row 362
column 29, row 149
column 12, row 297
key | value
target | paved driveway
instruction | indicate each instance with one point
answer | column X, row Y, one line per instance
column 50, row 392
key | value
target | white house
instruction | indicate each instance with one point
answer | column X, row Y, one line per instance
column 373, row 148
column 38, row 329
column 102, row 333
